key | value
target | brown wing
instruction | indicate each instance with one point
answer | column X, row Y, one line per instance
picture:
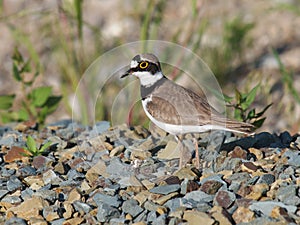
column 175, row 104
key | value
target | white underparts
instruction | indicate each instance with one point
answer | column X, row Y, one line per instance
column 146, row 78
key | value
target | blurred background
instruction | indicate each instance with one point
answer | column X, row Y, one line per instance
column 245, row 43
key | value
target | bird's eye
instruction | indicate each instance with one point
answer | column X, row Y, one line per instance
column 144, row 65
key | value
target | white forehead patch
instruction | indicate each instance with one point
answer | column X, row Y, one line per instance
column 133, row 64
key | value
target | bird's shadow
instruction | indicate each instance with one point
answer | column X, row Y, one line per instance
column 261, row 140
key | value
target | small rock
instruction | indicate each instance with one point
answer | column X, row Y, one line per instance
column 266, row 207
column 211, row 186
column 221, row 215
column 288, row 196
column 196, row 217
column 50, row 177
column 224, row 199
column 198, row 196
column 29, row 208
column 131, row 206
column 13, row 184
column 73, row 196
column 41, row 162
column 73, row 221
column 165, row 189
column 7, row 141
column 117, row 150
column 106, row 212
column 171, row 151
column 15, row 154
column 15, row 221
column 50, row 213
column 266, row 178
column 243, row 215
column 109, row 200
column 82, row 207
column 186, row 173
column 238, row 152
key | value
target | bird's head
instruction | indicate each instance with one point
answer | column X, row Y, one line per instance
column 146, row 67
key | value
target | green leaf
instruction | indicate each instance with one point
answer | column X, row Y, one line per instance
column 6, row 101
column 259, row 123
column 52, row 103
column 250, row 97
column 45, row 146
column 26, row 67
column 40, row 95
column 23, row 115
column 31, row 145
column 251, row 114
column 16, row 72
column 263, row 111
column 17, row 55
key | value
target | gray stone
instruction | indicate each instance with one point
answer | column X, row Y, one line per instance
column 132, row 207
column 116, row 167
column 100, row 127
column 7, row 141
column 14, row 183
column 165, row 189
column 7, row 172
column 141, row 217
column 50, row 195
column 152, row 216
column 266, row 178
column 174, row 204
column 287, row 195
column 82, row 207
column 75, row 175
column 11, row 199
column 161, row 220
column 106, row 212
column 50, row 213
column 198, row 196
column 266, row 207
column 26, row 171
column 117, row 221
column 109, row 200
column 26, row 194
column 58, row 221
column 3, row 193
column 57, row 142
column 50, row 177
column 15, row 221
column 293, row 157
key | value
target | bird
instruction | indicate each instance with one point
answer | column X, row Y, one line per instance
column 174, row 108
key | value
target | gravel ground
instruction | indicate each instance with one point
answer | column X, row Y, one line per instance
column 122, row 175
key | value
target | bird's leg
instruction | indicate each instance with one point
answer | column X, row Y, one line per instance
column 180, row 146
column 196, row 153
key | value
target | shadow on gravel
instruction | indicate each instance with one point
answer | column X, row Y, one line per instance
column 262, row 140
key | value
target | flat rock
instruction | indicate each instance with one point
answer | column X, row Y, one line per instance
column 196, row 217
column 29, row 208
column 109, row 200
column 165, row 189
column 132, row 207
column 171, row 151
column 266, row 207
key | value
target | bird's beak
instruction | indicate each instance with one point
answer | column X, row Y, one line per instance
column 128, row 72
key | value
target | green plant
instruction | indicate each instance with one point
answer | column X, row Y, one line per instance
column 36, row 103
column 242, row 103
column 33, row 149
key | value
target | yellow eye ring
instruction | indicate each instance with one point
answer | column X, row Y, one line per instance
column 144, row 65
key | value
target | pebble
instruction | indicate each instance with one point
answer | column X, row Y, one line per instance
column 109, row 200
